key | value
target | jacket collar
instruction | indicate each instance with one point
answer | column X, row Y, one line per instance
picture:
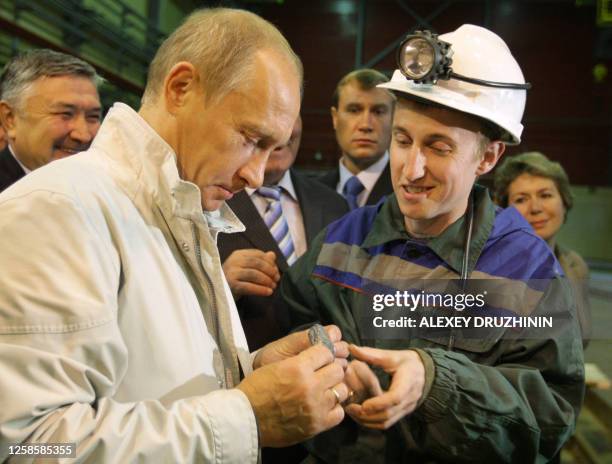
column 127, row 139
column 389, row 226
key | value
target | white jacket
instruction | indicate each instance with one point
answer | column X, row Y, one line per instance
column 117, row 327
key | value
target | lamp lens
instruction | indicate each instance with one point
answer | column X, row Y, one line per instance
column 416, row 58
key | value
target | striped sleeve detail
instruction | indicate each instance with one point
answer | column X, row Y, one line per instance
column 355, row 268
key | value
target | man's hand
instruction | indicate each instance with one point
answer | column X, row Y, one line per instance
column 362, row 382
column 251, row 272
column 295, row 343
column 407, row 383
column 294, row 399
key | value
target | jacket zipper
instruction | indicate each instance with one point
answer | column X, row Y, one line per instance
column 216, row 334
column 228, row 373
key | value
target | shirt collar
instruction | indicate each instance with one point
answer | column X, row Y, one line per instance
column 25, row 169
column 126, row 136
column 449, row 245
column 368, row 176
column 285, row 183
column 224, row 220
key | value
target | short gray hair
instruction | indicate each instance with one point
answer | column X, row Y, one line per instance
column 221, row 43
column 21, row 71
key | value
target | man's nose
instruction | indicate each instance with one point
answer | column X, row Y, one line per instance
column 82, row 131
column 366, row 121
column 252, row 173
column 414, row 167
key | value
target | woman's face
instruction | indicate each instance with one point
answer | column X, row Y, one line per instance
column 539, row 201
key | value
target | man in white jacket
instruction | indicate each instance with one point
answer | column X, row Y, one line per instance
column 118, row 332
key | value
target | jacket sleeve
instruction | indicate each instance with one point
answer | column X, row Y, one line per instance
column 62, row 354
column 521, row 408
column 517, row 402
column 297, row 288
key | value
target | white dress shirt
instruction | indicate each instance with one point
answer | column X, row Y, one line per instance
column 26, row 170
column 368, row 177
column 291, row 211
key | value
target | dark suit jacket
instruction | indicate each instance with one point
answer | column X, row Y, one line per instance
column 382, row 187
column 10, row 171
column 265, row 318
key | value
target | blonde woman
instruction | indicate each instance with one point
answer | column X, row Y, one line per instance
column 540, row 190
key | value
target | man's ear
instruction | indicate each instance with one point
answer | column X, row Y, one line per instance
column 7, row 119
column 334, row 115
column 491, row 156
column 182, row 82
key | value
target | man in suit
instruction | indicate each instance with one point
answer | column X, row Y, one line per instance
column 253, row 260
column 277, row 233
column 49, row 108
column 361, row 114
column 3, row 141
column 10, row 170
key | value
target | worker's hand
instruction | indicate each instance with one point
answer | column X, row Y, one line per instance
column 362, row 382
column 295, row 343
column 407, row 383
column 298, row 397
column 251, row 272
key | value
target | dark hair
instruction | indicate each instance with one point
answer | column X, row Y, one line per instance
column 366, row 79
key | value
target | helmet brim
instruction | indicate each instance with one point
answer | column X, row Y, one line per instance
column 440, row 94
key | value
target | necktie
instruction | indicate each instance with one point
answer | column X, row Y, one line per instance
column 276, row 222
column 352, row 189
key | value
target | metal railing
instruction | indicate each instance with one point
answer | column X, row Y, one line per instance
column 113, row 36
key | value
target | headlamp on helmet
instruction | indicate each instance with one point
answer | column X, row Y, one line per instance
column 425, row 59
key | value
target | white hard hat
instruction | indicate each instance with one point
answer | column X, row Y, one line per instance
column 481, row 54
